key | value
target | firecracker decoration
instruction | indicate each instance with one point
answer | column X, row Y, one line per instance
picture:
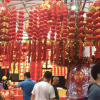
column 35, row 14
column 71, row 31
column 81, row 31
column 89, row 30
column 96, row 32
column 45, row 32
column 40, row 38
column 64, row 32
column 58, row 27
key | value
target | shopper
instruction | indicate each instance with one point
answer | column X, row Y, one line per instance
column 26, row 85
column 94, row 91
column 86, row 98
column 54, row 84
column 43, row 90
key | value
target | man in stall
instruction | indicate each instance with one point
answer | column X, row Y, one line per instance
column 54, row 84
column 26, row 85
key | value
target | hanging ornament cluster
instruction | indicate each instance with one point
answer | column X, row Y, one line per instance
column 71, row 35
column 81, row 31
column 65, row 13
column 45, row 29
column 58, row 27
column 35, row 14
column 20, row 23
column 72, row 30
column 89, row 30
column 97, row 33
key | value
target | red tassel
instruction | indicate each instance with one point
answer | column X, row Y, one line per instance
column 19, row 52
column 51, row 51
column 71, row 49
column 29, row 51
column 44, row 56
column 12, row 52
column 34, row 51
column 90, row 51
column 57, row 50
column 9, row 57
column 40, row 49
column 81, row 49
column 64, row 53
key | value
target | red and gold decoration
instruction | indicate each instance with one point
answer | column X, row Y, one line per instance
column 89, row 30
column 64, row 47
column 72, row 30
column 81, row 31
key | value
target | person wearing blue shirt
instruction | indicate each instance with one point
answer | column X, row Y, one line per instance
column 94, row 91
column 26, row 85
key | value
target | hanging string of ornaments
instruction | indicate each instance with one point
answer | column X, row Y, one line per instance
column 71, row 34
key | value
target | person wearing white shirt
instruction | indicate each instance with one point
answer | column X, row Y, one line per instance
column 43, row 90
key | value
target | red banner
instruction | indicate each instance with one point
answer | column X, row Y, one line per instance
column 38, row 72
column 33, row 71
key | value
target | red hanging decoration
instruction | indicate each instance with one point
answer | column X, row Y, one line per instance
column 89, row 30
column 53, row 30
column 81, row 31
column 57, row 37
column 65, row 32
column 45, row 32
